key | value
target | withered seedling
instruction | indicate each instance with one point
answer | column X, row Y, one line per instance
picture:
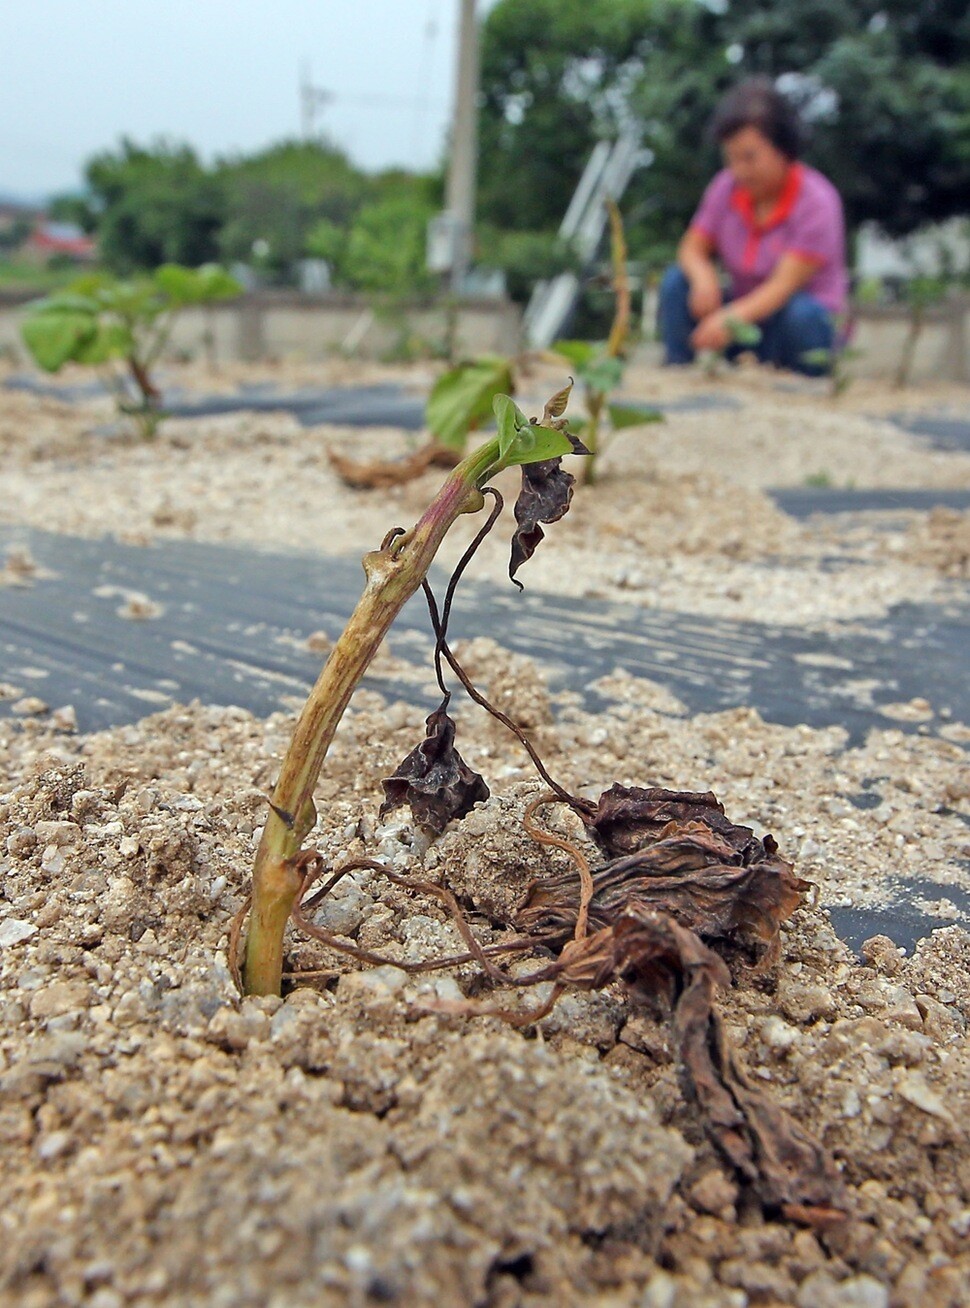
column 393, row 574
column 676, row 896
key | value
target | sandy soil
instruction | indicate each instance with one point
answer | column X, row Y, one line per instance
column 679, row 521
column 164, row 1143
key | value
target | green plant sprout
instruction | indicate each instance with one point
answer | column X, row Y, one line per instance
column 745, row 334
column 121, row 327
column 599, row 368
column 461, row 399
column 920, row 294
column 393, row 574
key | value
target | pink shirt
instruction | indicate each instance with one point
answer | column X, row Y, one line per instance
column 806, row 220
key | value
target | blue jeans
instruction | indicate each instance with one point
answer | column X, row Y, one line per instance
column 800, row 325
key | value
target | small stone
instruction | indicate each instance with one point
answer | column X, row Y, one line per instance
column 64, row 718
column 22, row 842
column 713, row 1193
column 779, row 1036
column 822, row 1290
column 59, row 997
column 52, row 1145
column 237, row 1030
column 881, row 954
column 13, row 930
column 660, row 1292
column 374, row 983
column 29, row 707
column 58, row 833
column 52, row 860
column 805, row 1003
column 914, row 1088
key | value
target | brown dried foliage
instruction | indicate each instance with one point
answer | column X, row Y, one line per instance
column 380, row 474
column 434, row 779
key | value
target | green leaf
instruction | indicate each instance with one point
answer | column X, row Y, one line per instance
column 183, row 286
column 462, row 398
column 535, row 444
column 54, row 337
column 578, row 353
column 603, row 374
column 511, row 422
column 632, row 415
column 111, row 340
column 820, row 358
column 743, row 333
column 522, row 441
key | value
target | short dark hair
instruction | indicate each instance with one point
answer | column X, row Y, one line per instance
column 758, row 103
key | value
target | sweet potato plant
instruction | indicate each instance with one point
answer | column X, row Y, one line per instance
column 679, row 896
column 461, row 399
column 121, row 328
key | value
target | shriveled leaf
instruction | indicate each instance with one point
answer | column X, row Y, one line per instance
column 700, row 877
column 629, row 817
column 545, row 497
column 462, row 398
column 555, row 406
column 381, row 473
column 633, row 415
column 434, row 780
column 785, row 1166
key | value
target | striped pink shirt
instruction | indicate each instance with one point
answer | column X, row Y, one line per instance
column 806, row 220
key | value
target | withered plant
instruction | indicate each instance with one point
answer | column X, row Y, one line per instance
column 393, row 574
column 675, row 897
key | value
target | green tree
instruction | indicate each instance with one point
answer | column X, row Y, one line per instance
column 153, row 205
column 551, row 83
column 884, row 88
column 277, row 195
column 884, row 84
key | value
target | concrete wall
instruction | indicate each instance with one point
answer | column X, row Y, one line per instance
column 283, row 324
column 288, row 325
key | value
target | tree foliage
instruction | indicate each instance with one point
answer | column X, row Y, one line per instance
column 885, row 87
column 153, row 205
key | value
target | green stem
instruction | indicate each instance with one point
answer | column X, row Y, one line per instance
column 591, row 435
column 394, row 573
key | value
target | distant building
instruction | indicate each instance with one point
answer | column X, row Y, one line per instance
column 49, row 239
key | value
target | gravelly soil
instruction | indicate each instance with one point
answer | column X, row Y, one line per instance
column 165, row 1143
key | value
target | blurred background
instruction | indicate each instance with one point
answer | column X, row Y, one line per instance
column 388, row 155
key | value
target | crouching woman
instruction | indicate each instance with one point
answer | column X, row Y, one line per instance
column 774, row 228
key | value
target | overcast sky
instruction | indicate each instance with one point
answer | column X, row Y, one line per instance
column 220, row 74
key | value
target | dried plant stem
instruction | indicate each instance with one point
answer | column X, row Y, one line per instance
column 394, row 573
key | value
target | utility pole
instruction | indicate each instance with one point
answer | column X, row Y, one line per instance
column 312, row 99
column 460, row 191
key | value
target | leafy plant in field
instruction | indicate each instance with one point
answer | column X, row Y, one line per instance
column 920, row 294
column 599, row 368
column 746, row 335
column 121, row 327
column 462, row 398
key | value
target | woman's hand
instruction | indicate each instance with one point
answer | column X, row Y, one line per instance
column 712, row 332
column 704, row 297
